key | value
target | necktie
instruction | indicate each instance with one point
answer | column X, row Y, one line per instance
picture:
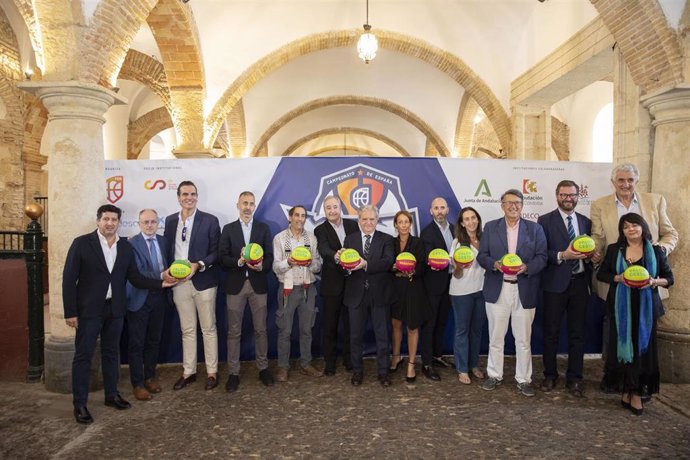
column 153, row 254
column 574, row 264
column 367, row 245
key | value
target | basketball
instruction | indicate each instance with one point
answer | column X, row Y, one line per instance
column 636, row 276
column 510, row 264
column 180, row 269
column 438, row 259
column 253, row 253
column 349, row 259
column 463, row 256
column 405, row 262
column 301, row 255
column 584, row 244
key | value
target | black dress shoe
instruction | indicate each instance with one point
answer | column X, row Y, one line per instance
column 576, row 388
column 430, row 373
column 329, row 372
column 384, row 380
column 232, row 384
column 117, row 402
column 82, row 415
column 266, row 377
column 548, row 384
column 211, row 383
column 183, row 382
column 357, row 378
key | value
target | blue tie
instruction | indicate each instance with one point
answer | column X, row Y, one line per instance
column 574, row 264
column 154, row 256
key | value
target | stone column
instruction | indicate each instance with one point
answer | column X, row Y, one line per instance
column 74, row 141
column 531, row 133
column 670, row 177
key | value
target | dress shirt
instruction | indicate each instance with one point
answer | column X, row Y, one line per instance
column 622, row 210
column 339, row 230
column 564, row 216
column 447, row 234
column 512, row 235
column 156, row 248
column 182, row 247
column 247, row 234
column 110, row 254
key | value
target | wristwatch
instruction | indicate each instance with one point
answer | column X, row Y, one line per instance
column 202, row 266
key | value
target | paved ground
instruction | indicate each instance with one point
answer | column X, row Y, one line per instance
column 328, row 418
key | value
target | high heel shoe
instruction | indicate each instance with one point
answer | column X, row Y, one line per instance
column 409, row 379
column 636, row 411
column 397, row 366
column 626, row 404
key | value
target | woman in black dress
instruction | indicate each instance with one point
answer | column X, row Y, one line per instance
column 632, row 364
column 410, row 303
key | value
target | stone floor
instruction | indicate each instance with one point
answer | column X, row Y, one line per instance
column 328, row 418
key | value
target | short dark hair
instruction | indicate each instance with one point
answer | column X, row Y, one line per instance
column 247, row 192
column 292, row 209
column 185, row 183
column 513, row 191
column 633, row 218
column 108, row 208
column 567, row 183
column 461, row 232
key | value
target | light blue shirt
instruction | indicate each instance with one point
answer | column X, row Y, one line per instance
column 156, row 249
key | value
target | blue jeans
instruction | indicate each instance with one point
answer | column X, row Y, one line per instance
column 470, row 314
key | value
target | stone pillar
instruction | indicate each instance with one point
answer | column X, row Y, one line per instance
column 74, row 141
column 531, row 133
column 670, row 177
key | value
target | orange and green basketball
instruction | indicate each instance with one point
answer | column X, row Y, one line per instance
column 405, row 262
column 301, row 255
column 584, row 244
column 463, row 256
column 349, row 259
column 510, row 264
column 438, row 259
column 180, row 269
column 636, row 276
column 253, row 253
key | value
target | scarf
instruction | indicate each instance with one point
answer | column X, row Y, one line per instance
column 623, row 308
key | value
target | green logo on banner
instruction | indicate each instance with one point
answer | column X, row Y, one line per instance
column 483, row 189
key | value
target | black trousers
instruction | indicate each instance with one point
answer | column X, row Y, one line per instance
column 145, row 327
column 433, row 331
column 573, row 304
column 333, row 311
column 380, row 319
column 110, row 329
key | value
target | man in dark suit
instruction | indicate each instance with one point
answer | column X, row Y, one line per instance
column 368, row 292
column 511, row 298
column 331, row 236
column 566, row 282
column 438, row 234
column 146, row 307
column 246, row 283
column 94, row 280
column 193, row 235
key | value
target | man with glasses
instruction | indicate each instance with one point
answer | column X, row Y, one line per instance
column 511, row 298
column 566, row 282
column 193, row 235
column 146, row 307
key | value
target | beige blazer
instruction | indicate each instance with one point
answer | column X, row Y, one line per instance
column 604, row 217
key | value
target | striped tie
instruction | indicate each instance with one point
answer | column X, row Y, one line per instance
column 367, row 245
column 574, row 264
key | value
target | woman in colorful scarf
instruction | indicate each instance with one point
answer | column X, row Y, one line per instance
column 632, row 365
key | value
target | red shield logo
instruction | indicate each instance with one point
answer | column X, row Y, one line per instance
column 115, row 187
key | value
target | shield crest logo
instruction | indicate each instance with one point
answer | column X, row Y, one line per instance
column 115, row 188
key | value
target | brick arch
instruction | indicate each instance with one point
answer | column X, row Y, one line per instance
column 148, row 71
column 28, row 13
column 352, row 148
column 382, row 104
column 346, row 130
column 444, row 61
column 650, row 47
column 142, row 130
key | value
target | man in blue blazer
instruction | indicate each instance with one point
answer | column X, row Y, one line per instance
column 146, row 307
column 566, row 282
column 511, row 298
column 193, row 235
column 246, row 283
column 368, row 291
column 94, row 279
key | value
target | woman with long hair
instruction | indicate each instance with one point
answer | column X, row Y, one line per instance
column 466, row 298
column 632, row 363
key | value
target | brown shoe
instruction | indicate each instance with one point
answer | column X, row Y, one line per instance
column 311, row 371
column 211, row 383
column 141, row 393
column 152, row 386
column 282, row 374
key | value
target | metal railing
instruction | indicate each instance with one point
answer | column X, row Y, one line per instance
column 43, row 220
column 11, row 244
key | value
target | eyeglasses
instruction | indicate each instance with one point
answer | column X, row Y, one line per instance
column 184, row 233
column 563, row 196
column 512, row 204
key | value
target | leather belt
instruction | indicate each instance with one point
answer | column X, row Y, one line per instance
column 578, row 276
column 510, row 281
